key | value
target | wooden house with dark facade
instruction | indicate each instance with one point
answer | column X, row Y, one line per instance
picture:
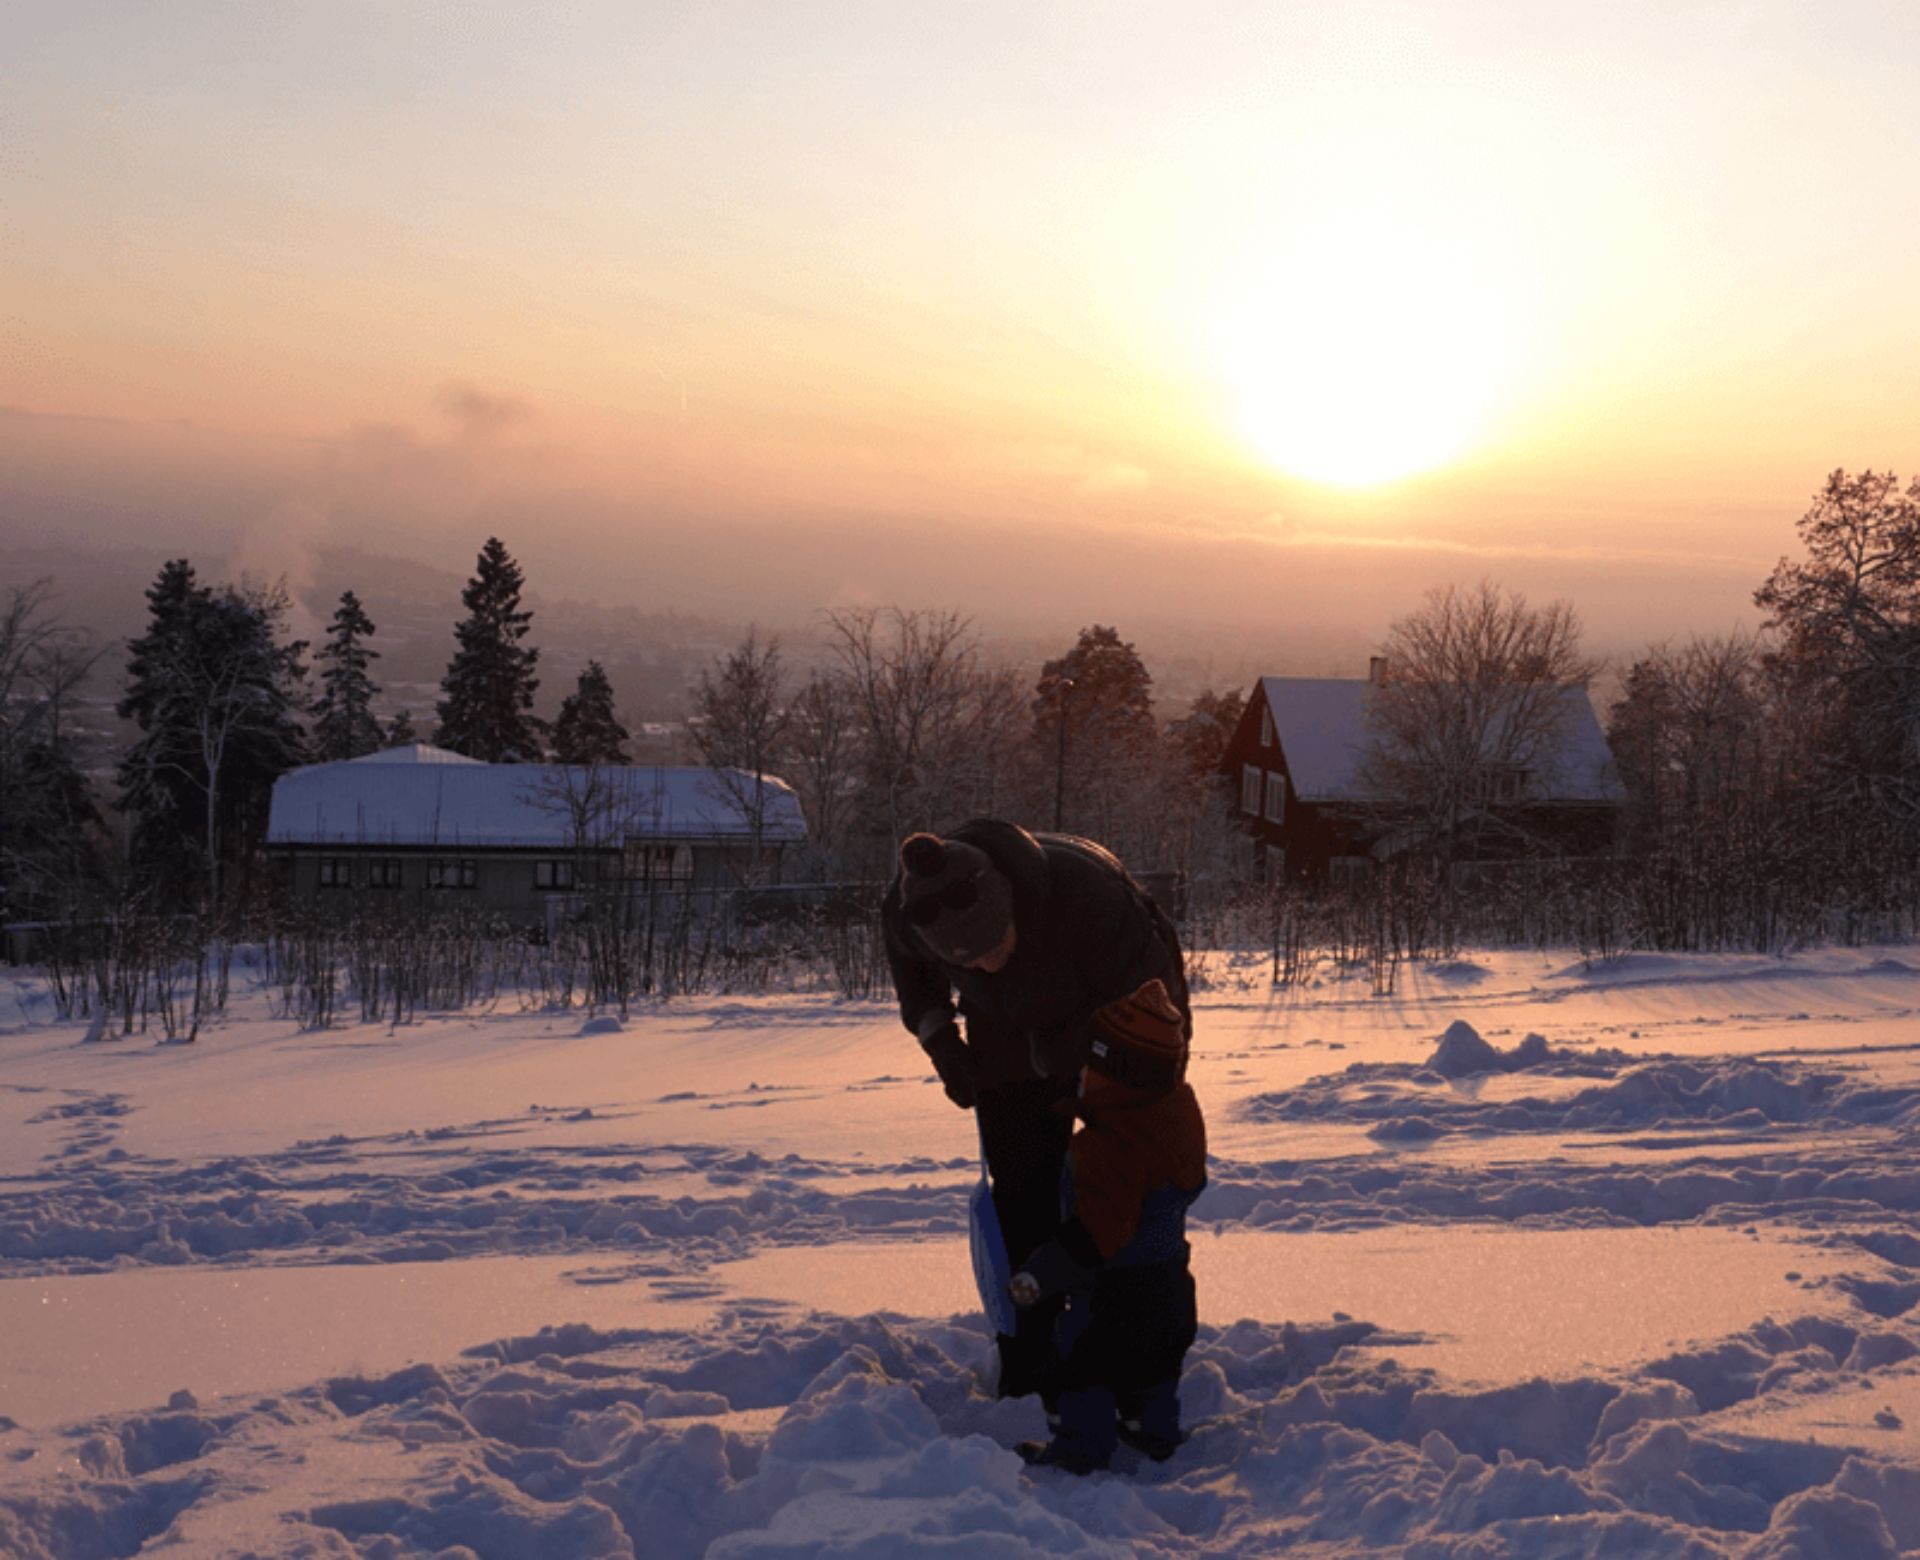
column 420, row 825
column 1294, row 763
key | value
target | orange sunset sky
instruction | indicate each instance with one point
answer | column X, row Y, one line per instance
column 1051, row 312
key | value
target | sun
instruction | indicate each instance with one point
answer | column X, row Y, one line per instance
column 1365, row 347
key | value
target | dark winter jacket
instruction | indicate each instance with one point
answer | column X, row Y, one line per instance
column 1136, row 1164
column 1086, row 934
column 1138, row 1161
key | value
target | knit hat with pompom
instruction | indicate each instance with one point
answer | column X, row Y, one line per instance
column 1141, row 1040
column 954, row 897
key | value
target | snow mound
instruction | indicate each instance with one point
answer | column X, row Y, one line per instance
column 1462, row 1053
column 843, row 1437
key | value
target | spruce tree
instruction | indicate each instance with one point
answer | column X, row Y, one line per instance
column 588, row 733
column 489, row 686
column 344, row 725
column 155, row 775
column 216, row 701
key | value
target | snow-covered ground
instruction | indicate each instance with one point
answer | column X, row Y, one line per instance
column 1525, row 1260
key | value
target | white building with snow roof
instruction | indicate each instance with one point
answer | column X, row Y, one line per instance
column 430, row 826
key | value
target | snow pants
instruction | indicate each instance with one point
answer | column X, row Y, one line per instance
column 1026, row 1139
column 1123, row 1343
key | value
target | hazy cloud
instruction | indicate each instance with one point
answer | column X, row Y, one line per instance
column 1541, row 551
column 285, row 545
column 479, row 414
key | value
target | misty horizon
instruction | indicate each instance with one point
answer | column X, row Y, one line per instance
column 1318, row 604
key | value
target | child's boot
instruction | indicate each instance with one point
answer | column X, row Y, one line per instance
column 1150, row 1420
column 1083, row 1439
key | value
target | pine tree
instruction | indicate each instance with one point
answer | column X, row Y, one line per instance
column 587, row 732
column 215, row 698
column 1093, row 721
column 400, row 731
column 344, row 725
column 489, row 686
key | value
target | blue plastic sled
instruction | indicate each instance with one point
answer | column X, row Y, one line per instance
column 991, row 1270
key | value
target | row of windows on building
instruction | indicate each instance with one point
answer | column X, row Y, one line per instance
column 666, row 864
column 1263, row 794
column 452, row 872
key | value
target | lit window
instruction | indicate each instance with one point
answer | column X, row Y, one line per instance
column 1506, row 785
column 1277, row 798
column 669, row 864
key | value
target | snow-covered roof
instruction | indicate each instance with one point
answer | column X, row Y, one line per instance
column 1321, row 723
column 417, row 753
column 427, row 797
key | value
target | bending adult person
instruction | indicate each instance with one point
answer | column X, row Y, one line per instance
column 1021, row 938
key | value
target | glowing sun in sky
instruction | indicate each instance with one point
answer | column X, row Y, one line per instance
column 1365, row 344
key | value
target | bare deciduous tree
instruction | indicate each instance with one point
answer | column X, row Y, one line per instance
column 1697, row 741
column 939, row 726
column 1470, row 719
column 819, row 762
column 1199, row 835
column 739, row 723
column 42, row 662
column 740, row 711
column 51, row 831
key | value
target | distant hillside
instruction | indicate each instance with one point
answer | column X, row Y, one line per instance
column 652, row 658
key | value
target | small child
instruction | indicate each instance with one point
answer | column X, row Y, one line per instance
column 1136, row 1163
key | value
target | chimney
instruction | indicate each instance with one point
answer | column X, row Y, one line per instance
column 1377, row 670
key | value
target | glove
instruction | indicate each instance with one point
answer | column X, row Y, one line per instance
column 1059, row 1053
column 948, row 1053
column 1049, row 1271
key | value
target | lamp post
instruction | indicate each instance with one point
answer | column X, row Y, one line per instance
column 1060, row 691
